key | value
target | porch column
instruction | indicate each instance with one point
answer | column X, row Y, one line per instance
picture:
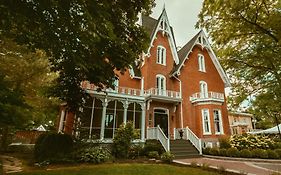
column 143, row 121
column 104, row 105
column 61, row 120
column 125, row 106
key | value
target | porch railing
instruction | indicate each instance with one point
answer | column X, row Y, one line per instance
column 158, row 134
column 189, row 135
column 161, row 92
column 207, row 96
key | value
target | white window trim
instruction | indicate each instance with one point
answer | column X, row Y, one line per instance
column 203, row 122
column 201, row 63
column 203, row 91
column 161, row 60
column 159, row 90
column 220, row 122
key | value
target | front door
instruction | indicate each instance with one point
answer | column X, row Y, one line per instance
column 161, row 119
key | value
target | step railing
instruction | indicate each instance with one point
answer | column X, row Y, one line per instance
column 158, row 134
column 188, row 135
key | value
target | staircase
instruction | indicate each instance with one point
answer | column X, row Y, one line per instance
column 183, row 149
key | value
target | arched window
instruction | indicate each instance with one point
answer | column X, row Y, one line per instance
column 161, row 84
column 161, row 55
column 203, row 89
column 201, row 63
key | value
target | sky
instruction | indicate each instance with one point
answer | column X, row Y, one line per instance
column 182, row 16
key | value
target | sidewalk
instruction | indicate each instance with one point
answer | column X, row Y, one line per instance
column 237, row 166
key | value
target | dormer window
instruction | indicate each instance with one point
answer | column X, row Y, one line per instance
column 161, row 55
column 201, row 63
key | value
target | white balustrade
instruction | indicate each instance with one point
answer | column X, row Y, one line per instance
column 158, row 134
column 207, row 96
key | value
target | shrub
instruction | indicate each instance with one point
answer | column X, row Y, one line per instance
column 260, row 153
column 167, row 157
column 222, row 152
column 278, row 151
column 251, row 142
column 53, row 147
column 232, row 152
column 277, row 145
column 122, row 140
column 224, row 142
column 206, row 150
column 94, row 155
column 135, row 151
column 153, row 154
column 272, row 154
column 246, row 153
column 214, row 151
column 153, row 145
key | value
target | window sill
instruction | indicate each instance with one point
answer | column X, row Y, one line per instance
column 207, row 134
column 161, row 64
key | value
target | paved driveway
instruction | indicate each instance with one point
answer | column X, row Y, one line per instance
column 238, row 166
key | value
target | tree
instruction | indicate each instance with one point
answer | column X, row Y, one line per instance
column 85, row 39
column 247, row 38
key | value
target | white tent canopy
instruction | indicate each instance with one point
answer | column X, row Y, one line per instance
column 273, row 130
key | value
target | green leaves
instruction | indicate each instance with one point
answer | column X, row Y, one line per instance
column 85, row 39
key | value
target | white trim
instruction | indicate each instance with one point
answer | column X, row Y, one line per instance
column 207, row 103
column 201, row 63
column 220, row 122
column 164, row 17
column 203, row 89
column 203, row 121
column 168, row 116
column 161, row 55
column 162, row 90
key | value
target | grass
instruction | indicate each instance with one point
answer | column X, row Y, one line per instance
column 122, row 169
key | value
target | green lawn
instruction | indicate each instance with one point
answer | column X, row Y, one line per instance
column 123, row 169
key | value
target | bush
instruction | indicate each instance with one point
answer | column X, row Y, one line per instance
column 272, row 154
column 135, row 151
column 224, row 142
column 214, row 151
column 278, row 151
column 246, row 153
column 260, row 153
column 153, row 154
column 153, row 145
column 251, row 142
column 206, row 150
column 277, row 145
column 232, row 152
column 122, row 140
column 94, row 155
column 222, row 152
column 167, row 157
column 53, row 147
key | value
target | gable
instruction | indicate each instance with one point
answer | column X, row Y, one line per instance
column 201, row 40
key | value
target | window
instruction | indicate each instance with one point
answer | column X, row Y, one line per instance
column 201, row 63
column 161, row 84
column 203, row 89
column 161, row 55
column 218, row 122
column 206, row 121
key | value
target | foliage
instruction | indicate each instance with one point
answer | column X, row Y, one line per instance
column 214, row 151
column 260, row 153
column 206, row 150
column 153, row 145
column 224, row 142
column 153, row 154
column 167, row 157
column 245, row 153
column 94, row 155
column 222, row 152
column 86, row 40
column 278, row 151
column 251, row 141
column 122, row 140
column 247, row 37
column 232, row 152
column 52, row 147
column 272, row 154
column 136, row 150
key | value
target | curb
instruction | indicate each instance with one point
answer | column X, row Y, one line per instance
column 243, row 159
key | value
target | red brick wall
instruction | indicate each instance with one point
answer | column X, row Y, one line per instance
column 28, row 137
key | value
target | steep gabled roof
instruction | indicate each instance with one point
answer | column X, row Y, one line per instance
column 184, row 52
column 153, row 26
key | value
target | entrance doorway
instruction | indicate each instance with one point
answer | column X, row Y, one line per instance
column 161, row 119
